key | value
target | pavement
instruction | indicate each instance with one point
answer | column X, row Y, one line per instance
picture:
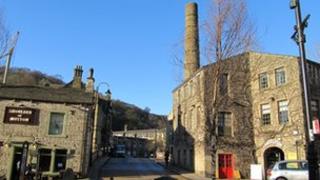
column 182, row 172
column 95, row 169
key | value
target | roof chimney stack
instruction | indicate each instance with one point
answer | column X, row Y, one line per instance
column 191, row 42
column 77, row 77
column 90, row 81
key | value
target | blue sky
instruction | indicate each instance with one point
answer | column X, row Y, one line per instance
column 131, row 44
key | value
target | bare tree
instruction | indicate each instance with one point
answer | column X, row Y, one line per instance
column 229, row 30
column 229, row 33
column 4, row 35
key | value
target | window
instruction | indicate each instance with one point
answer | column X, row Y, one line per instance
column 315, row 108
column 60, row 160
column 191, row 88
column 224, row 124
column 224, row 84
column 44, row 160
column 280, row 76
column 263, row 79
column 56, row 123
column 192, row 123
column 283, row 111
column 46, row 156
column 186, row 93
column 265, row 114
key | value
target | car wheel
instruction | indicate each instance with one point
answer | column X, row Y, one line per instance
column 281, row 178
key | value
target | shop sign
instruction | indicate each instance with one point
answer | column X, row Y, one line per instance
column 21, row 115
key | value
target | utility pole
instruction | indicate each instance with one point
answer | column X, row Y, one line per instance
column 300, row 39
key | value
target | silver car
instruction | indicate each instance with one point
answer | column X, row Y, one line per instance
column 288, row 170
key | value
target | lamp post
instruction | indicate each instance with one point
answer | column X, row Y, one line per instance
column 300, row 39
column 107, row 98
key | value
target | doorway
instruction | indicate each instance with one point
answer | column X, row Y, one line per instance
column 271, row 156
column 16, row 164
column 225, row 166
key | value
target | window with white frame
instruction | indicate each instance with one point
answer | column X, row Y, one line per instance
column 283, row 111
column 263, row 80
column 265, row 114
column 224, row 124
column 56, row 123
column 280, row 76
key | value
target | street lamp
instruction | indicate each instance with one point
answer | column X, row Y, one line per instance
column 108, row 92
column 300, row 39
column 107, row 126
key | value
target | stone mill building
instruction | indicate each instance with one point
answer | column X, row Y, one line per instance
column 256, row 117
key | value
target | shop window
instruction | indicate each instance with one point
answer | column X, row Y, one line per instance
column 60, row 160
column 56, row 123
column 44, row 160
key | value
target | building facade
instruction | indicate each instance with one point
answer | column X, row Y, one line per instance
column 247, row 109
column 155, row 140
column 50, row 129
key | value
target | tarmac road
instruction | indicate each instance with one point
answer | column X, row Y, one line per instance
column 135, row 168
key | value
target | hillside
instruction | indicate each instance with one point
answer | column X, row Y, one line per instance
column 25, row 76
column 124, row 113
column 134, row 117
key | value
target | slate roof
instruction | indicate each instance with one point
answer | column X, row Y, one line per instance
column 46, row 94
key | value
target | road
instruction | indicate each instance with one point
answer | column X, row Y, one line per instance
column 135, row 168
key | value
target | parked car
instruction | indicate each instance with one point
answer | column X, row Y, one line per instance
column 288, row 170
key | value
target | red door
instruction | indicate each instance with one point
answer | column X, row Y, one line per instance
column 225, row 166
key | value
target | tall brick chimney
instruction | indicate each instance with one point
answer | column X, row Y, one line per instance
column 191, row 40
column 77, row 77
column 90, row 81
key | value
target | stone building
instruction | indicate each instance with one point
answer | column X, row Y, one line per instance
column 156, row 139
column 52, row 128
column 244, row 110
